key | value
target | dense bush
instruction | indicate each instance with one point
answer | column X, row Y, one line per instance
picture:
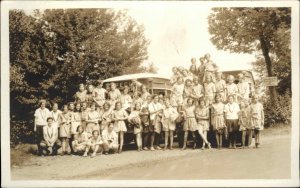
column 279, row 111
column 21, row 132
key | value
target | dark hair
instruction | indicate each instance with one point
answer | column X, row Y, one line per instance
column 49, row 118
column 42, row 101
column 155, row 95
column 77, row 129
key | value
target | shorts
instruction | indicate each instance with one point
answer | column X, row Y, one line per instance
column 232, row 125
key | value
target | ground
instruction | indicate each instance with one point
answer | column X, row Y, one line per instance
column 271, row 161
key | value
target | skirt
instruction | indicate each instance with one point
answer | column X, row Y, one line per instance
column 137, row 129
column 190, row 124
column 65, row 131
column 203, row 125
column 168, row 125
column 257, row 124
column 120, row 126
column 74, row 126
column 218, row 122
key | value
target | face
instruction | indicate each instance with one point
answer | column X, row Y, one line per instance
column 126, row 91
column 190, row 102
column 138, row 106
column 149, row 99
column 55, row 107
column 193, row 61
column 105, row 107
column 180, row 80
column 110, row 127
column 72, row 106
column 230, row 99
column 107, row 86
column 43, row 105
column 66, row 109
column 218, row 98
column 113, row 86
column 78, row 107
column 174, row 70
column 230, row 79
column 202, row 103
column 80, row 129
column 93, row 107
column 100, row 84
column 95, row 134
column 219, row 76
column 255, row 99
column 155, row 99
column 84, row 105
column 118, row 106
column 208, row 79
column 167, row 103
column 144, row 89
column 196, row 81
column 184, row 73
column 188, row 83
column 81, row 88
column 50, row 122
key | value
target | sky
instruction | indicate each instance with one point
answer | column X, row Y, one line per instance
column 178, row 34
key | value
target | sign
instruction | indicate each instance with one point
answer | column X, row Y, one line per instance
column 270, row 81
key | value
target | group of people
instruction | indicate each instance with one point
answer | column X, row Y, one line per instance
column 97, row 119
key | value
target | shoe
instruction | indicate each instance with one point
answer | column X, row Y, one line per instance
column 230, row 147
column 183, row 148
column 243, row 147
column 158, row 148
column 145, row 148
column 106, row 153
column 84, row 155
column 171, row 148
column 93, row 155
column 234, row 147
column 194, row 146
column 209, row 145
column 120, row 151
column 152, row 149
column 203, row 147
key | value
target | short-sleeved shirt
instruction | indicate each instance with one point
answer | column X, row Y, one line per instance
column 41, row 116
column 232, row 111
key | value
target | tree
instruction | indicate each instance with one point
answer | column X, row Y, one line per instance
column 51, row 52
column 255, row 30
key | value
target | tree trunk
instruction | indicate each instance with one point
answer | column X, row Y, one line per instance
column 265, row 50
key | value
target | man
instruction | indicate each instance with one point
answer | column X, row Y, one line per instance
column 110, row 140
column 40, row 120
column 50, row 142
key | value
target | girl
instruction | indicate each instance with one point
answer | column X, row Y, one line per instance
column 257, row 118
column 126, row 99
column 65, row 128
column 106, row 117
column 92, row 120
column 84, row 114
column 75, row 122
column 201, row 69
column 210, row 90
column 80, row 141
column 243, row 89
column 80, row 95
column 145, row 94
column 55, row 115
column 220, row 86
column 94, row 144
column 136, row 99
column 110, row 139
column 170, row 114
column 218, row 121
column 231, row 110
column 190, row 123
column 202, row 115
column 177, row 93
column 155, row 111
column 174, row 76
column 210, row 69
column 99, row 94
column 188, row 90
column 90, row 95
column 119, row 116
column 193, row 67
column 134, row 119
column 114, row 94
column 198, row 90
column 145, row 122
column 231, row 87
column 180, row 120
column 244, row 122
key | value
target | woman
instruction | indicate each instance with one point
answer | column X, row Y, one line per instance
column 40, row 120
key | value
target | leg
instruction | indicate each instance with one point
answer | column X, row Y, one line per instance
column 230, row 140
column 70, row 143
column 39, row 138
column 146, row 141
column 67, row 145
column 137, row 137
column 234, row 133
column 140, row 141
column 250, row 132
column 157, row 140
column 243, row 138
column 166, row 139
column 217, row 139
column 185, row 140
column 152, row 140
column 56, row 146
column 220, row 139
column 74, row 147
column 105, row 147
column 121, row 141
column 95, row 149
column 194, row 139
column 63, row 146
column 171, row 140
column 87, row 149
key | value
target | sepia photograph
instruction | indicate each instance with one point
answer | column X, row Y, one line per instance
column 127, row 94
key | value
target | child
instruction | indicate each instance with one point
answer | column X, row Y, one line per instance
column 145, row 122
column 243, row 89
column 94, row 144
column 231, row 110
column 65, row 128
column 90, row 95
column 155, row 111
column 119, row 116
column 134, row 119
column 84, row 114
column 202, row 116
column 110, row 139
column 170, row 114
column 75, row 122
column 50, row 143
column 190, row 123
column 99, row 94
column 80, row 141
column 188, row 90
column 193, row 67
column 244, row 122
column 145, row 94
column 177, row 93
column 136, row 99
column 198, row 89
column 92, row 120
column 257, row 118
column 126, row 99
column 180, row 120
column 114, row 94
column 55, row 115
column 231, row 88
column 201, row 69
column 175, row 75
column 218, row 121
column 106, row 117
column 80, row 95
column 40, row 120
column 210, row 69
column 220, row 86
column 210, row 90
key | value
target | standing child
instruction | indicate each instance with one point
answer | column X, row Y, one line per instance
column 145, row 122
column 243, row 88
column 170, row 114
column 114, row 94
column 231, row 88
column 193, row 67
column 257, row 118
column 210, row 90
column 65, row 129
column 80, row 95
column 106, row 117
column 92, row 120
column 126, row 99
column 232, row 110
column 177, row 93
column 94, row 144
column 134, row 119
column 218, row 120
column 244, row 121
column 190, row 123
column 99, row 93
column 119, row 116
column 202, row 115
column 55, row 115
column 221, row 86
column 75, row 122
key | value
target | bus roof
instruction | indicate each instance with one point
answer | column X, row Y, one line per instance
column 135, row 76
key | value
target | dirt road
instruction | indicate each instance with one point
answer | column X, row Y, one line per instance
column 272, row 160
